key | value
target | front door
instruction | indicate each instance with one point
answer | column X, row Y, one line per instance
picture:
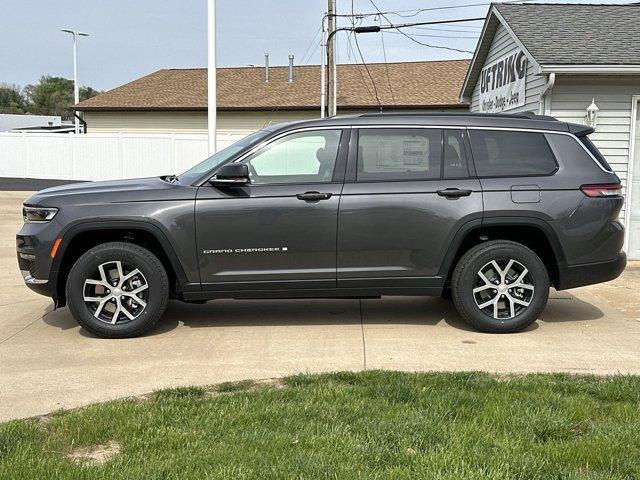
column 408, row 191
column 280, row 230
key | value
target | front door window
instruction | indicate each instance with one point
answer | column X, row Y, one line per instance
column 304, row 157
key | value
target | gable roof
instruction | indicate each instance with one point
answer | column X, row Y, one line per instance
column 563, row 34
column 586, row 34
column 433, row 84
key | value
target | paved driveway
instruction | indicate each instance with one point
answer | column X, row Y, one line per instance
column 47, row 362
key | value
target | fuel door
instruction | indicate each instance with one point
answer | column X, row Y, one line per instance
column 525, row 194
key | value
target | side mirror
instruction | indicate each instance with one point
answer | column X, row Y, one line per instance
column 231, row 174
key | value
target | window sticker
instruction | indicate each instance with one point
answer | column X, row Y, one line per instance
column 398, row 153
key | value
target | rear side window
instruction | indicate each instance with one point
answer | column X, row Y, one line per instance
column 501, row 153
column 596, row 153
column 399, row 154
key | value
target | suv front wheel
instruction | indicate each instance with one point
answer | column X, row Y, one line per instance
column 500, row 286
column 117, row 290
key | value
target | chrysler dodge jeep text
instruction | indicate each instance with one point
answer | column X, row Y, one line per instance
column 489, row 209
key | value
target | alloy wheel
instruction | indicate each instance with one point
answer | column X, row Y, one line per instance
column 116, row 292
column 503, row 289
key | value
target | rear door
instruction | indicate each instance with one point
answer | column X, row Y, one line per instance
column 408, row 191
column 280, row 230
column 517, row 171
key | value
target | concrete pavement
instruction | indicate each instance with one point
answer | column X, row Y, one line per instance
column 47, row 362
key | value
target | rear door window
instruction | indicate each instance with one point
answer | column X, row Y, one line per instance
column 502, row 153
column 454, row 163
column 399, row 154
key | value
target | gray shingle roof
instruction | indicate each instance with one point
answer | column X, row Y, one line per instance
column 577, row 33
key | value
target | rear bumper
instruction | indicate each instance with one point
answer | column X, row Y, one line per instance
column 572, row 276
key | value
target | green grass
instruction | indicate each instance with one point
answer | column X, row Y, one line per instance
column 348, row 425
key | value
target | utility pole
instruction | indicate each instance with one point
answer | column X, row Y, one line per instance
column 331, row 58
column 211, row 76
column 323, row 73
column 76, row 89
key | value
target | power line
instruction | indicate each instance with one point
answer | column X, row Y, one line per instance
column 364, row 82
column 375, row 89
column 398, row 28
column 475, row 37
column 373, row 83
column 386, row 66
column 416, row 11
column 471, row 29
column 384, row 55
column 313, row 52
column 310, row 45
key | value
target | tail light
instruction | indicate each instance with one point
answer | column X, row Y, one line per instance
column 604, row 190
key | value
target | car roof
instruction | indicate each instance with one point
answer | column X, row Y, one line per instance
column 515, row 121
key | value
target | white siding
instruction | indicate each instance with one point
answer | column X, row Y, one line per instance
column 572, row 95
column 240, row 122
column 187, row 122
column 503, row 43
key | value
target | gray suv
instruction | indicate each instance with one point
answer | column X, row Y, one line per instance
column 490, row 210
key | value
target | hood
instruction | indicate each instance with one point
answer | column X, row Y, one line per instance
column 139, row 189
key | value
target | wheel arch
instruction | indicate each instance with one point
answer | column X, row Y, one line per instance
column 81, row 237
column 534, row 233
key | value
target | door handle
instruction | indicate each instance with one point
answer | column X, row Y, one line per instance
column 313, row 196
column 454, row 192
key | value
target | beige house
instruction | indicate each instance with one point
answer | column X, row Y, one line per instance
column 175, row 100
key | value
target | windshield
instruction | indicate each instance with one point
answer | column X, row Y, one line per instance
column 221, row 156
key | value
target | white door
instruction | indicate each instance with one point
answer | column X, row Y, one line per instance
column 634, row 207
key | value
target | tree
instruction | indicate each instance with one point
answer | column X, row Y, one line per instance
column 54, row 96
column 12, row 99
column 51, row 96
column 88, row 92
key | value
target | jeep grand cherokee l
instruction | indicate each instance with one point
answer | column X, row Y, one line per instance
column 489, row 209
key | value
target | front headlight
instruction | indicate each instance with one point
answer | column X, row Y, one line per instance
column 38, row 214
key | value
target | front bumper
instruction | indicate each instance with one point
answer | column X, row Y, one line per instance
column 572, row 276
column 33, row 245
column 38, row 285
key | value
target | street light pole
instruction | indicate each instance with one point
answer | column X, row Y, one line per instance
column 211, row 76
column 76, row 89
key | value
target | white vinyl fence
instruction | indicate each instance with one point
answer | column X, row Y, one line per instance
column 97, row 156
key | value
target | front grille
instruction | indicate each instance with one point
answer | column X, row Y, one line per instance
column 32, row 268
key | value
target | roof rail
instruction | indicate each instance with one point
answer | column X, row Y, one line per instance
column 535, row 116
column 523, row 115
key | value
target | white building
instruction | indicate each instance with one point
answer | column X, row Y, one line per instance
column 556, row 59
column 10, row 122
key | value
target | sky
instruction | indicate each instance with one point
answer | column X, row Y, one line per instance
column 131, row 38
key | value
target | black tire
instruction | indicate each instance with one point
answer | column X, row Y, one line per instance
column 466, row 277
column 150, row 272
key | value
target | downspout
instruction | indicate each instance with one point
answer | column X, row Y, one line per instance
column 82, row 120
column 542, row 109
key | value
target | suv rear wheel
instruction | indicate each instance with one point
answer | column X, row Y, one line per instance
column 500, row 286
column 117, row 290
